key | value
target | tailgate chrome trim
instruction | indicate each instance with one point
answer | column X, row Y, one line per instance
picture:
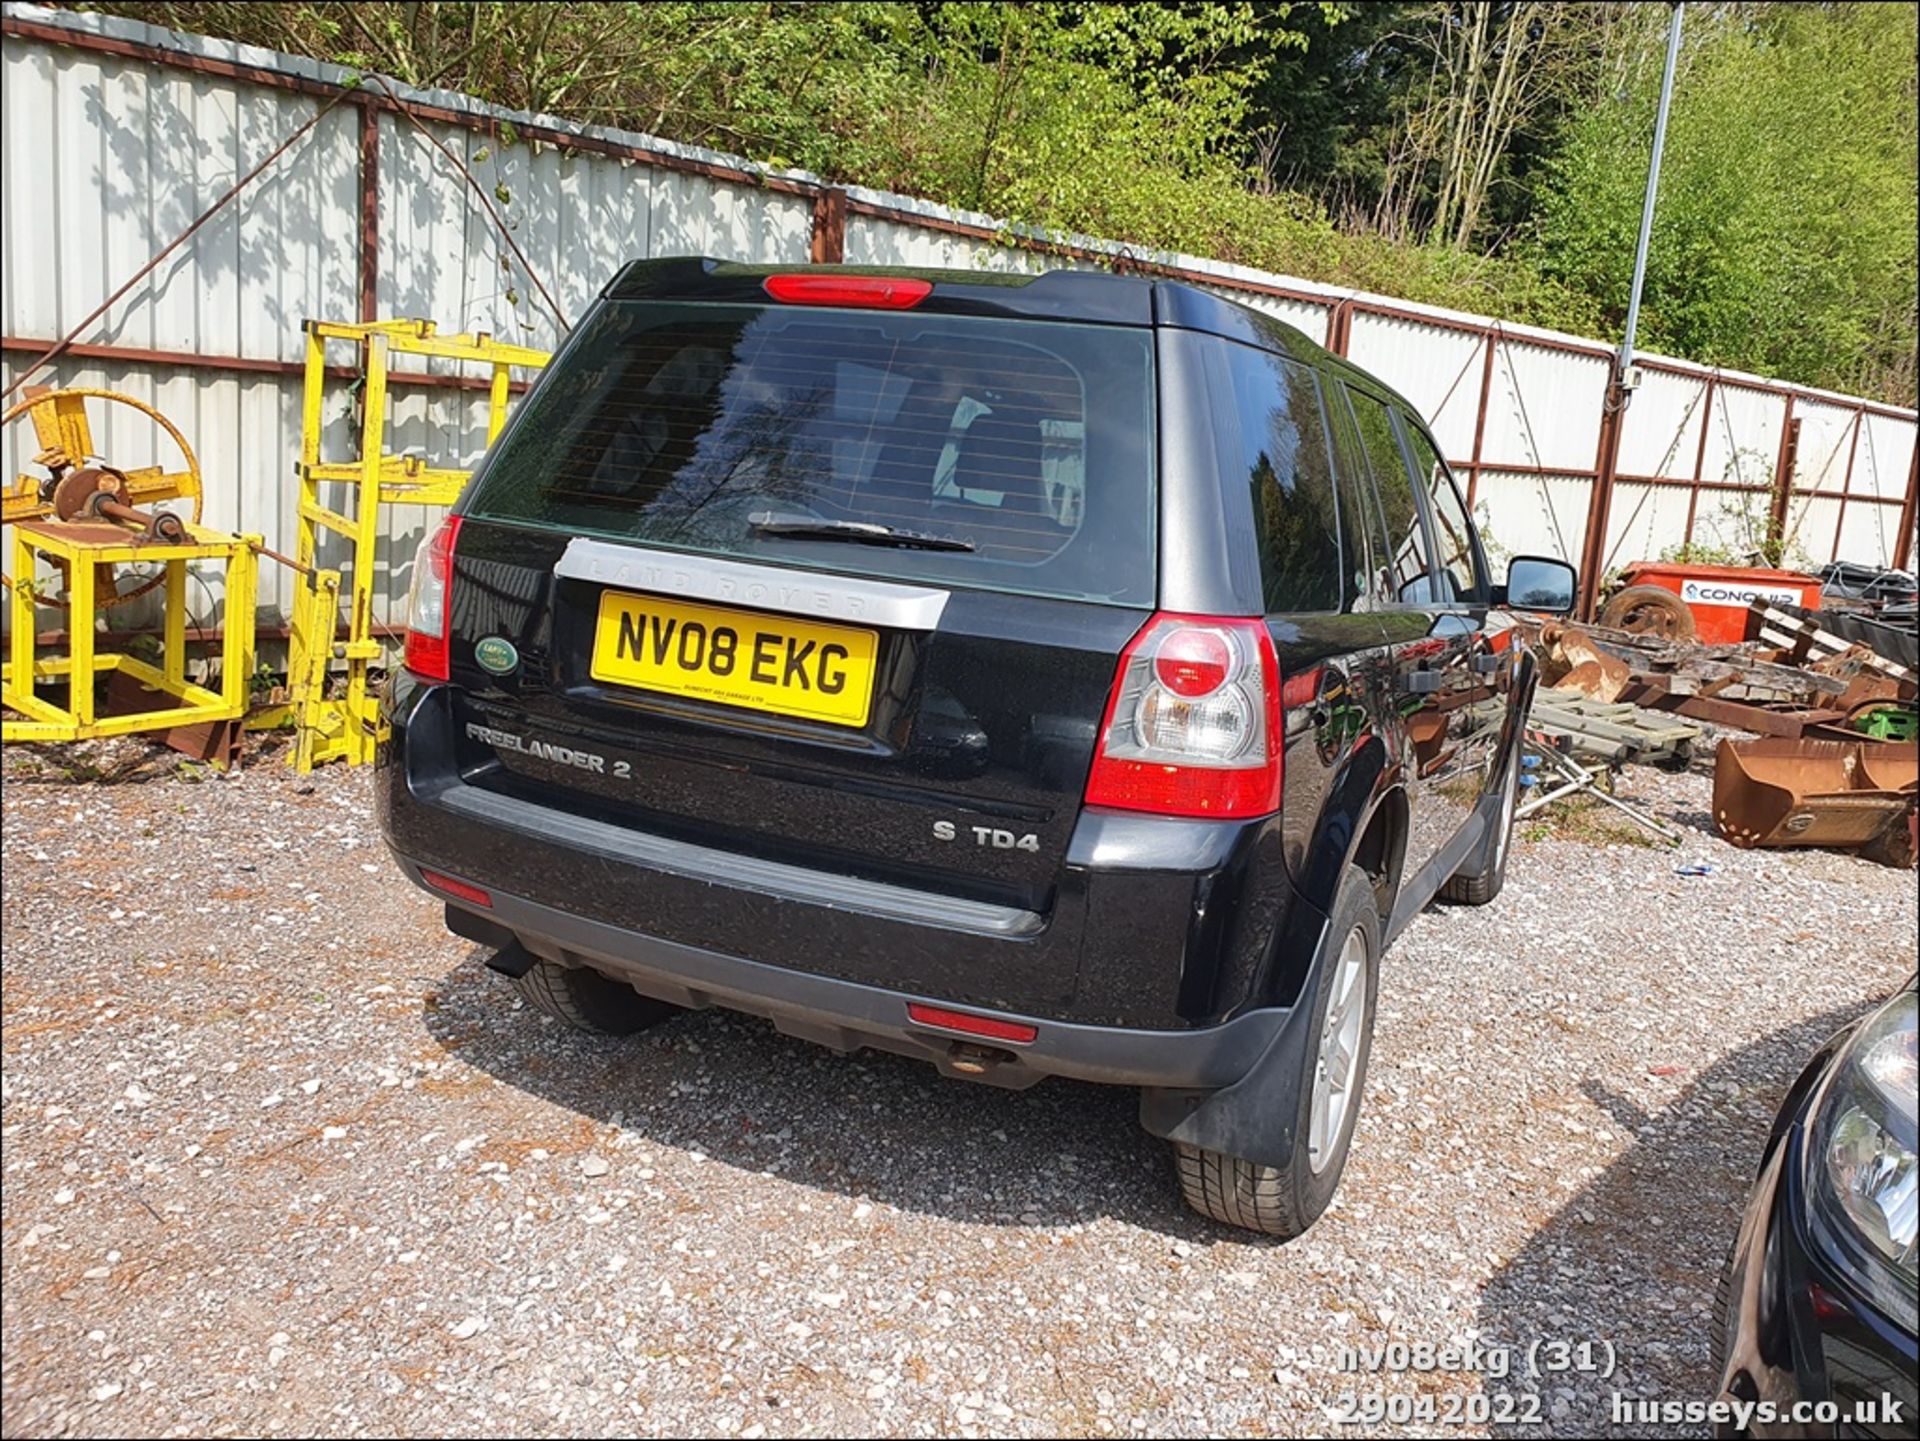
column 757, row 587
column 730, row 868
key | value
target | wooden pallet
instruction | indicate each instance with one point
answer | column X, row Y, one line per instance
column 1809, row 641
column 1607, row 731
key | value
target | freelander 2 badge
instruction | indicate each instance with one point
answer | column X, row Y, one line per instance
column 496, row 654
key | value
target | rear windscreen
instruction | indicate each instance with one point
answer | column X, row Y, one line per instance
column 700, row 427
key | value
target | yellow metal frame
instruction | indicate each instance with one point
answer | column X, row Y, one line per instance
column 347, row 726
column 80, row 549
column 61, row 427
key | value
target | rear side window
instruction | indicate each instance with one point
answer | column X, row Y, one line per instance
column 688, row 426
column 1283, row 446
column 1452, row 531
column 1401, row 564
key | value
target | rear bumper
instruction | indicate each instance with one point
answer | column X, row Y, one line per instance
column 837, row 960
column 846, row 1015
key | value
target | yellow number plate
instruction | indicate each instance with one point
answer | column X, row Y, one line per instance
column 771, row 663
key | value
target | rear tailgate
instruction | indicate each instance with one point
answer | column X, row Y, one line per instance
column 920, row 719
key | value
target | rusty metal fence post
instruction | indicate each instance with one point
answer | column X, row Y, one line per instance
column 1340, row 326
column 1903, row 543
column 369, row 210
column 1480, row 426
column 1783, row 466
column 829, row 244
column 1606, row 465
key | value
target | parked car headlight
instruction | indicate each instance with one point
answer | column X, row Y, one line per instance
column 1863, row 1173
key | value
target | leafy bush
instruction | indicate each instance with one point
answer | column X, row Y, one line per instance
column 1487, row 157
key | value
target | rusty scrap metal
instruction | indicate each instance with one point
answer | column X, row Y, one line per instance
column 1757, row 685
column 1848, row 796
column 100, row 492
column 1739, row 672
column 1767, row 718
column 1574, row 662
column 1649, row 610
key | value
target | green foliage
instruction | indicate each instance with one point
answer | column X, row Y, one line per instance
column 1748, row 535
column 1784, row 239
column 1484, row 156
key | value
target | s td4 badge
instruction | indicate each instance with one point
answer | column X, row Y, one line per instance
column 998, row 839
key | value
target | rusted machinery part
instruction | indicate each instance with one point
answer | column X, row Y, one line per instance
column 1868, row 707
column 1845, row 795
column 28, row 498
column 1899, row 844
column 149, row 484
column 288, row 561
column 102, row 493
column 1649, row 610
column 78, row 493
column 159, row 525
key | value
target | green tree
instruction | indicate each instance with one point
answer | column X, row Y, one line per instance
column 1487, row 156
column 1784, row 241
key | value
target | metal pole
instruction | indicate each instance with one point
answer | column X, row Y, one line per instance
column 1653, row 187
column 1619, row 392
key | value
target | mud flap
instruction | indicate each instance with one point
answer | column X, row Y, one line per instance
column 1254, row 1118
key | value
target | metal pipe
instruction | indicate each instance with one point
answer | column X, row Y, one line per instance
column 154, row 525
column 1619, row 394
column 1653, row 187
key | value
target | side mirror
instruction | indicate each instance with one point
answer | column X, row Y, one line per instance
column 1541, row 583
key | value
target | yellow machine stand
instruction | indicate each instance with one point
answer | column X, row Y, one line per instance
column 79, row 547
column 337, row 717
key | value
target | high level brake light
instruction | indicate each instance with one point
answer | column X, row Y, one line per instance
column 429, row 649
column 872, row 292
column 1193, row 723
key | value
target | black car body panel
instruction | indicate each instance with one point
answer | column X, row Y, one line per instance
column 938, row 846
column 1153, row 923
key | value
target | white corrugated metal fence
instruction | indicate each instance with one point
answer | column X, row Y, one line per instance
column 117, row 134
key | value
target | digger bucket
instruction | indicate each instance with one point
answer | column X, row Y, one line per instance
column 1777, row 792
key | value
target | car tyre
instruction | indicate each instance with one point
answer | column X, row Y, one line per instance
column 1722, row 1313
column 1285, row 1201
column 589, row 1001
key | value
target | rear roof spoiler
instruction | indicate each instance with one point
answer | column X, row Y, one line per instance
column 1091, row 296
column 1056, row 295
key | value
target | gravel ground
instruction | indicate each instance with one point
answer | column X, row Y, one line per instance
column 281, row 1157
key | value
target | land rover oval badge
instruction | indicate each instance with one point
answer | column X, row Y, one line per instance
column 496, row 653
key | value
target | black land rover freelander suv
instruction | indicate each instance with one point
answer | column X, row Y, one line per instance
column 1071, row 675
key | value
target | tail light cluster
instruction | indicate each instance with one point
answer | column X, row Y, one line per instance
column 1193, row 724
column 430, row 604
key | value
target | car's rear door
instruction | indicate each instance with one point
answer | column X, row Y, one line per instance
column 1442, row 681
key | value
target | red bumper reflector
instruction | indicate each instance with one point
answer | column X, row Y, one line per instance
column 459, row 890
column 875, row 292
column 970, row 1025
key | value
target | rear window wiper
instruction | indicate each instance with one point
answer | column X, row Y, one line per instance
column 860, row 532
